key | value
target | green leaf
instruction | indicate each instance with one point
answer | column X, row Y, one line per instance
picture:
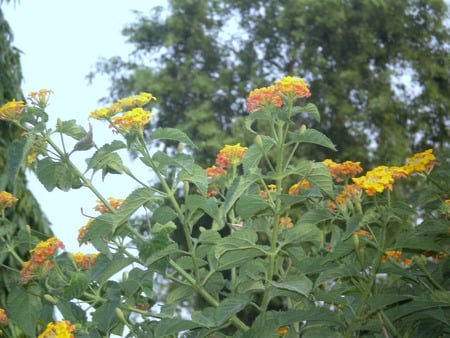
column 71, row 312
column 312, row 136
column 197, row 177
column 179, row 293
column 299, row 284
column 24, row 307
column 15, row 156
column 310, row 109
column 72, row 129
column 303, row 233
column 172, row 134
column 106, row 159
column 54, row 174
column 208, row 205
column 315, row 216
column 104, row 268
column 318, row 174
column 249, row 205
column 79, row 281
column 237, row 189
column 182, row 161
column 231, row 258
column 129, row 206
column 100, row 233
column 173, row 326
column 163, row 215
column 105, row 316
column 254, row 153
column 412, row 240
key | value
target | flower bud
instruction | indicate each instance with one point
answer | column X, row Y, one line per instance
column 302, row 129
column 50, row 299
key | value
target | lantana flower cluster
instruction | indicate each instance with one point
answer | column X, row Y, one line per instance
column 113, row 202
column 60, row 329
column 288, row 87
column 41, row 259
column 6, row 200
column 84, row 261
column 133, row 117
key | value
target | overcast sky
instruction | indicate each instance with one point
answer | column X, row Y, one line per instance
column 60, row 42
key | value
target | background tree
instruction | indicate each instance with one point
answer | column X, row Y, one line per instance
column 27, row 210
column 378, row 70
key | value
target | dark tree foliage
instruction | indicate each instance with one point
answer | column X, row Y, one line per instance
column 27, row 210
column 378, row 69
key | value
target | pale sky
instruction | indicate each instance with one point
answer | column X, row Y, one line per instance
column 60, row 42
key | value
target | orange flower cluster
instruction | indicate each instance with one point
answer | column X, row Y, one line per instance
column 350, row 192
column 420, row 162
column 83, row 231
column 379, row 179
column 263, row 97
column 297, row 187
column 288, row 86
column 363, row 233
column 397, row 256
column 282, row 330
column 231, row 156
column 285, row 223
column 341, row 172
column 3, row 317
column 60, row 329
column 115, row 203
column 41, row 259
column 7, row 200
column 40, row 98
column 84, row 261
column 214, row 171
column 11, row 110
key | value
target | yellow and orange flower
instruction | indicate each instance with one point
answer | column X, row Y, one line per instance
column 263, row 97
column 83, row 231
column 292, row 86
column 134, row 119
column 40, row 98
column 84, row 261
column 420, row 162
column 60, row 329
column 282, row 330
column 136, row 100
column 350, row 192
column 379, row 179
column 214, row 171
column 3, row 317
column 11, row 110
column 343, row 171
column 41, row 259
column 231, row 156
column 7, row 200
column 297, row 187
column 113, row 202
column 285, row 223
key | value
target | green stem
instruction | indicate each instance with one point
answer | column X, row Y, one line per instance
column 371, row 280
column 170, row 195
column 206, row 295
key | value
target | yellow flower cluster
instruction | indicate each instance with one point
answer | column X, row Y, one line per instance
column 7, row 200
column 84, row 261
column 230, row 156
column 40, row 98
column 379, row 179
column 134, row 119
column 297, row 187
column 83, row 231
column 340, row 172
column 294, row 86
column 60, row 329
column 11, row 110
column 420, row 162
column 121, row 105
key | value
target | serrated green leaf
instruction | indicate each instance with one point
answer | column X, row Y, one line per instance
column 249, row 205
column 15, row 156
column 72, row 129
column 197, row 177
column 303, row 233
column 312, row 136
column 79, row 281
column 129, row 206
column 24, row 307
column 182, row 161
column 102, row 156
column 163, row 215
column 299, row 284
column 173, row 326
column 318, row 174
column 210, row 207
column 310, row 109
column 104, row 268
column 172, row 134
column 71, row 312
column 54, row 174
column 100, row 232
column 237, row 189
